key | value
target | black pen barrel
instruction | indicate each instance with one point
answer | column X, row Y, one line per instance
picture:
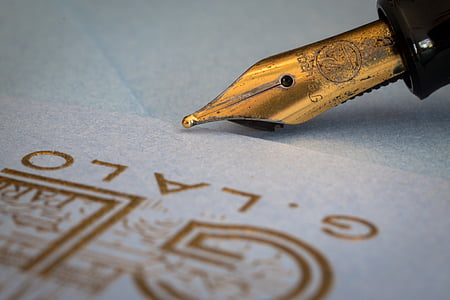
column 422, row 32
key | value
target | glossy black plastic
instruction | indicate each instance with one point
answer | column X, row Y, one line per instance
column 422, row 31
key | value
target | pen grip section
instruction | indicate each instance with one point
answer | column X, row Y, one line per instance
column 422, row 31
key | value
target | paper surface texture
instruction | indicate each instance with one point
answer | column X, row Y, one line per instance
column 103, row 195
column 114, row 206
column 166, row 59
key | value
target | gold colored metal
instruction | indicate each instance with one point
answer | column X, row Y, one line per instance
column 295, row 86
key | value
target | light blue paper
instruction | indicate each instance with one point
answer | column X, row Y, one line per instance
column 407, row 259
column 166, row 59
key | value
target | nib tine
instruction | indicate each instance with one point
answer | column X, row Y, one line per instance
column 189, row 121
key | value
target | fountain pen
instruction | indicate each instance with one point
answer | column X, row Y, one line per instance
column 410, row 41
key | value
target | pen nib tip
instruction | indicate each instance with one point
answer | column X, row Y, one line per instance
column 189, row 121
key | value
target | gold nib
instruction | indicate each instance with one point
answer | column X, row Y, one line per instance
column 295, row 86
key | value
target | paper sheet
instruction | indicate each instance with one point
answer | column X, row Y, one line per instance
column 115, row 206
column 166, row 59
column 351, row 205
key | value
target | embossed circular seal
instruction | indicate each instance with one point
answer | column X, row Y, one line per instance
column 245, row 262
column 339, row 61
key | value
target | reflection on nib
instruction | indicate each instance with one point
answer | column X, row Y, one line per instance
column 189, row 121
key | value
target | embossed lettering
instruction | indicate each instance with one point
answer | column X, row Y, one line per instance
column 118, row 169
column 26, row 160
column 252, row 198
column 349, row 228
column 163, row 185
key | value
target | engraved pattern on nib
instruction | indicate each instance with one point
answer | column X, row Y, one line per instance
column 339, row 61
